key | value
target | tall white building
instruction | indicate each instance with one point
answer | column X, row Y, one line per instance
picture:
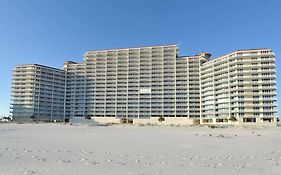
column 135, row 83
column 141, row 84
column 241, row 84
column 38, row 93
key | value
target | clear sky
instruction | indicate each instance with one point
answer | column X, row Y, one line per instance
column 50, row 32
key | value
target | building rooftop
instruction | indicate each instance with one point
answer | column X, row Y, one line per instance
column 126, row 48
column 40, row 65
column 236, row 51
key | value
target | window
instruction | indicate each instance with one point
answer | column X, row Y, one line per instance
column 248, row 120
column 256, row 114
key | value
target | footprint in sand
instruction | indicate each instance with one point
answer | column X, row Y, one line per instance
column 122, row 163
column 220, row 164
column 64, row 161
column 83, row 159
column 275, row 151
column 86, row 152
column 27, row 151
column 15, row 156
column 42, row 151
column 210, row 166
column 30, row 172
column 229, row 157
column 37, row 159
column 243, row 157
column 82, row 151
column 148, row 163
column 92, row 163
column 109, row 160
column 108, row 153
column 239, row 166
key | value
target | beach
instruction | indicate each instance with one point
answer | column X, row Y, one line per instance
column 60, row 149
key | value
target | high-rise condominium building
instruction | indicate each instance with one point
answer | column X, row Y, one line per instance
column 142, row 84
column 240, row 84
column 38, row 93
column 135, row 83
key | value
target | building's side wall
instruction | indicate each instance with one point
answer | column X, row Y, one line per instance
column 75, row 90
column 23, row 92
column 168, row 121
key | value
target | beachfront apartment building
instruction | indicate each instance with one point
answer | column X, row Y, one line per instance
column 135, row 84
column 38, row 93
column 141, row 84
column 241, row 84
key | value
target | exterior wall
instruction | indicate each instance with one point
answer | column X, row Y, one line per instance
column 105, row 120
column 75, row 89
column 240, row 122
column 38, row 91
column 168, row 121
column 241, row 85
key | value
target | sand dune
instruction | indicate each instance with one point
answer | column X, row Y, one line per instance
column 63, row 149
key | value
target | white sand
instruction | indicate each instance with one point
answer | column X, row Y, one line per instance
column 53, row 149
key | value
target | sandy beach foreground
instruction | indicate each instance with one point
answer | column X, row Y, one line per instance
column 54, row 149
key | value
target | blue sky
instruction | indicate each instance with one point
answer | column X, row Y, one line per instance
column 51, row 32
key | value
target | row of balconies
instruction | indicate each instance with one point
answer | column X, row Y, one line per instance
column 210, row 74
column 253, row 105
column 250, row 66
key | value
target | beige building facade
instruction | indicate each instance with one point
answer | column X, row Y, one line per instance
column 241, row 84
column 38, row 93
